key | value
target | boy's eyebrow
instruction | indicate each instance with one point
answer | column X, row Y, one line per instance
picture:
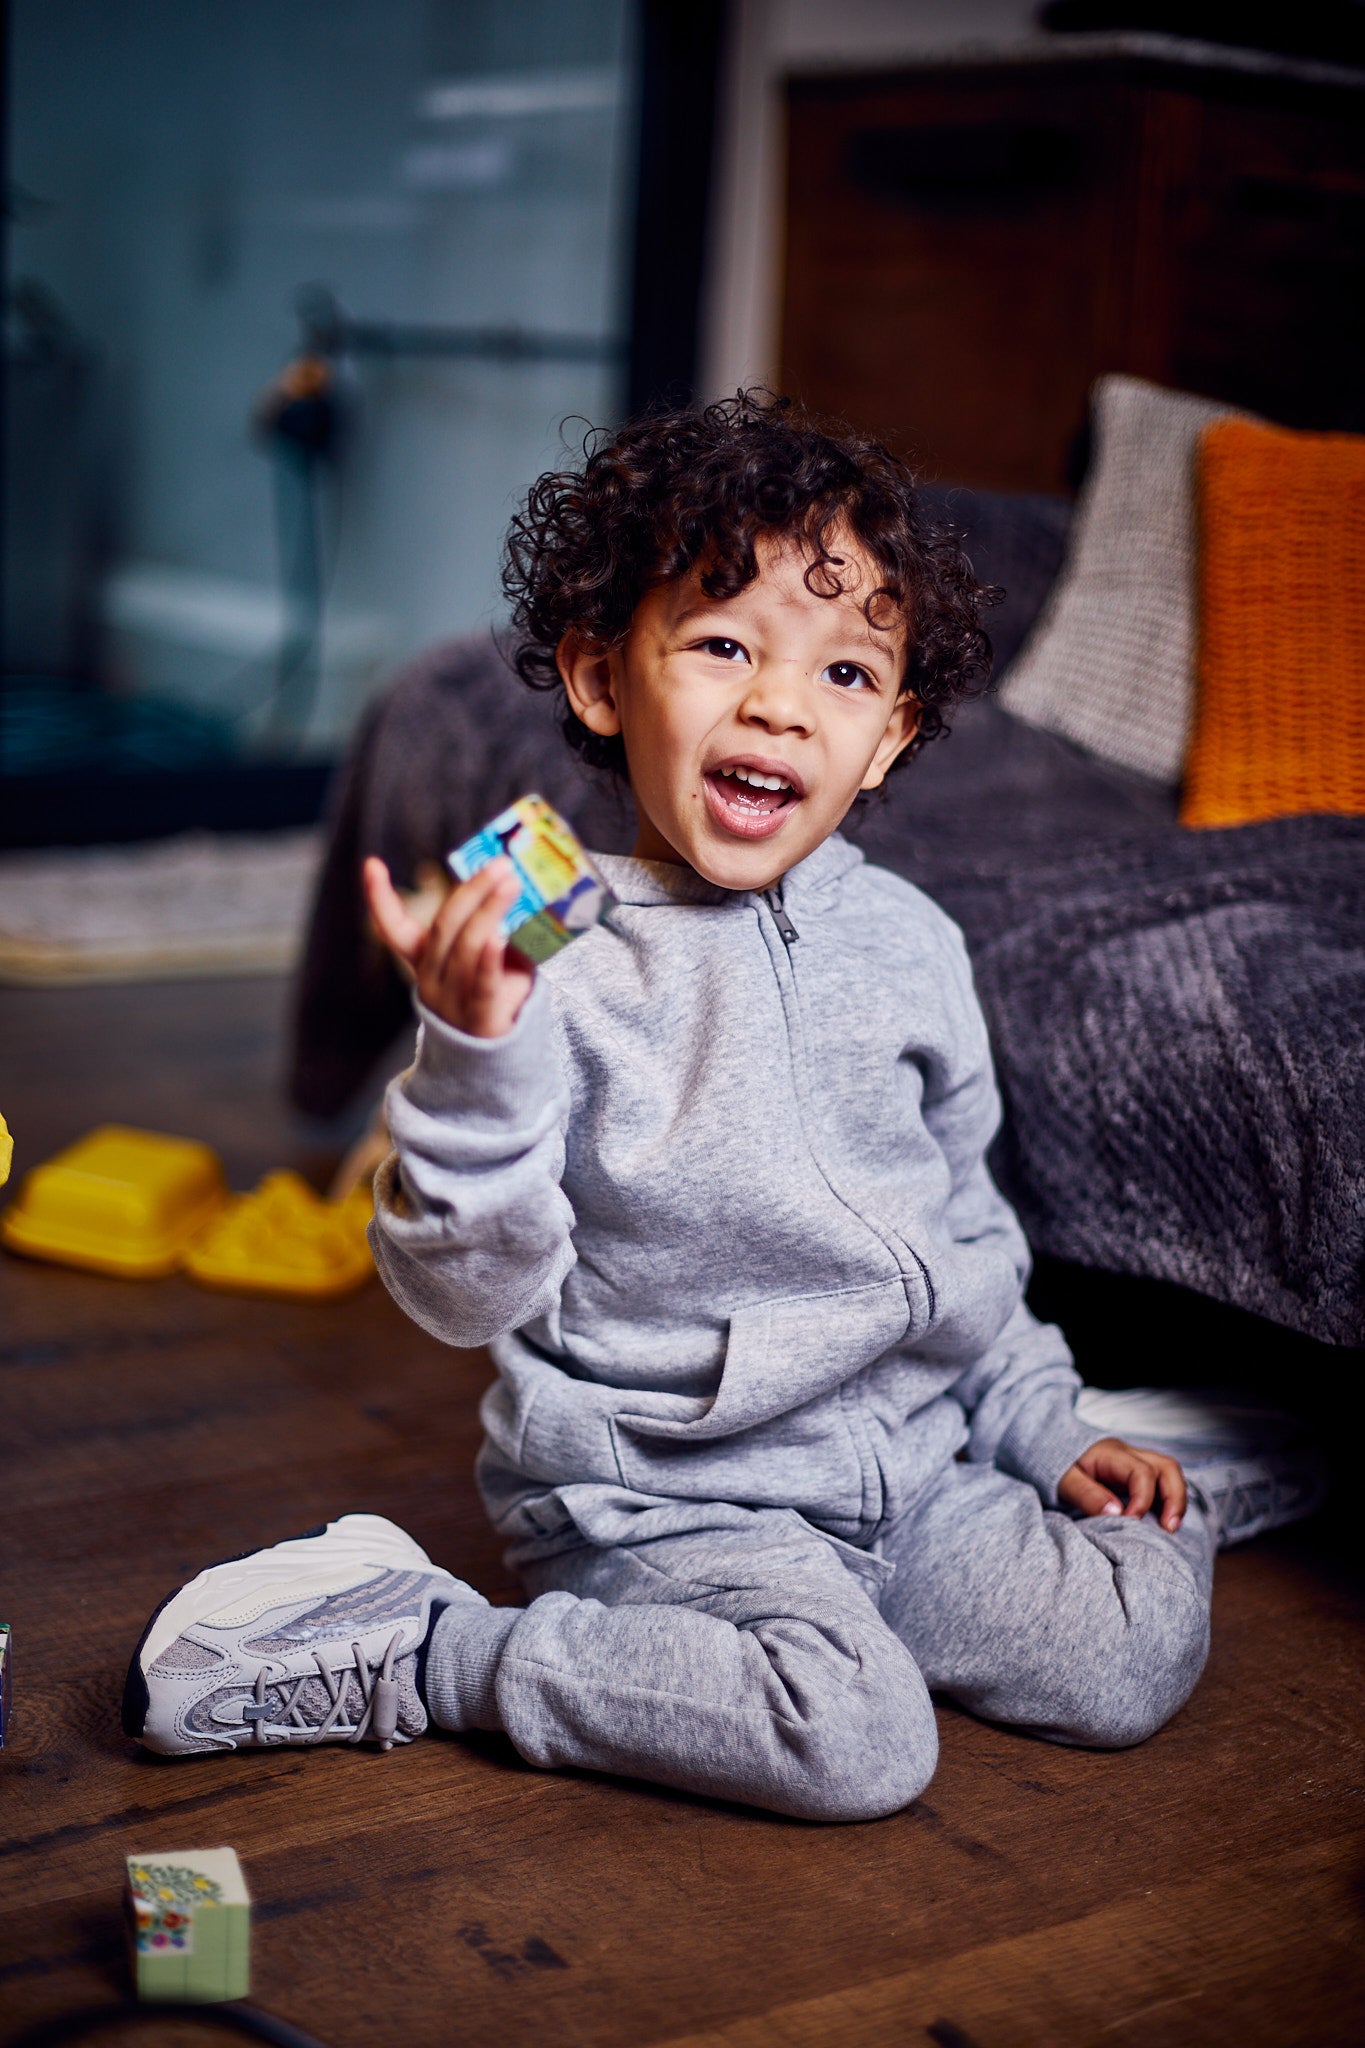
column 701, row 608
column 879, row 638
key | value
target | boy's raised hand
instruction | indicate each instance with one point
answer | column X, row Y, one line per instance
column 1143, row 1477
column 464, row 970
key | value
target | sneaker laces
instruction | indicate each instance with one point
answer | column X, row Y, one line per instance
column 1243, row 1504
column 378, row 1692
column 1236, row 1506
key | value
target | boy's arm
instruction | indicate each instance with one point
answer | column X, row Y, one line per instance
column 1020, row 1399
column 472, row 1229
column 1020, row 1394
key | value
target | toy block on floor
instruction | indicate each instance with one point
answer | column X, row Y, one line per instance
column 189, row 1925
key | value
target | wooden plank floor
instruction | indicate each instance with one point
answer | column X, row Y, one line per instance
column 1199, row 1890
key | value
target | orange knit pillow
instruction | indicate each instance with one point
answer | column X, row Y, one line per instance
column 1279, row 724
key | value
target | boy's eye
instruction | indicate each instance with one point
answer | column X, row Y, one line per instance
column 724, row 650
column 847, row 674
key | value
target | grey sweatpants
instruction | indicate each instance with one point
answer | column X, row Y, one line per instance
column 754, row 1660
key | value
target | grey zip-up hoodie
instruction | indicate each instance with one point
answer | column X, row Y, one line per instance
column 719, row 1202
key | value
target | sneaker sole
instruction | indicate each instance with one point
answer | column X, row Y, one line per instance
column 351, row 1543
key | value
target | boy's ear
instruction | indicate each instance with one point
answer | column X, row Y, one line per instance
column 900, row 730
column 588, row 676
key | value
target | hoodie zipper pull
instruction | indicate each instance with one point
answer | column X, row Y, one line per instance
column 786, row 928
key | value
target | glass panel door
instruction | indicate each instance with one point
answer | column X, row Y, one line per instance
column 299, row 293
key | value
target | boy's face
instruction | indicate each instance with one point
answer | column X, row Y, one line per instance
column 716, row 698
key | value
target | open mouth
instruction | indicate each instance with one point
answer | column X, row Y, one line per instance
column 749, row 799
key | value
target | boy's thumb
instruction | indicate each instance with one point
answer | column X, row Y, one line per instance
column 390, row 916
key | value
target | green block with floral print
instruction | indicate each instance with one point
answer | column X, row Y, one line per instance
column 189, row 1925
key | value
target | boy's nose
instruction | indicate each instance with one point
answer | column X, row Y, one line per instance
column 777, row 701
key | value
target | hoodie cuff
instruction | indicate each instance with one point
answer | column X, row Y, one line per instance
column 492, row 1079
column 1045, row 1441
column 462, row 1664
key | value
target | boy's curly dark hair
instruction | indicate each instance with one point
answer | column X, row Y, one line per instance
column 674, row 490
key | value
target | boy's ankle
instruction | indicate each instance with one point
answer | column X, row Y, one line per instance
column 458, row 1667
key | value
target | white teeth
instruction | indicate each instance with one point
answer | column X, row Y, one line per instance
column 757, row 781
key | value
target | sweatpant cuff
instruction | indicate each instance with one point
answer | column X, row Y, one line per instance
column 462, row 1664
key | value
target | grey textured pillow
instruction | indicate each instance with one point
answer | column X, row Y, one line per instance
column 1110, row 662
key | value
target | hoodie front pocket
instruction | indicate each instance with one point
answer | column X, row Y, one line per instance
column 775, row 1431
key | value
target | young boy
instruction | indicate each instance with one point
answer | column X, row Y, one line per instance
column 777, row 1446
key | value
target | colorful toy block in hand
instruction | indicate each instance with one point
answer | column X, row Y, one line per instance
column 189, row 1925
column 562, row 893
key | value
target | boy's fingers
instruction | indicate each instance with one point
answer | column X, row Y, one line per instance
column 1089, row 1496
column 1174, row 1492
column 452, row 978
column 460, row 909
column 462, row 964
column 482, row 933
column 1140, row 1482
column 399, row 930
column 486, row 988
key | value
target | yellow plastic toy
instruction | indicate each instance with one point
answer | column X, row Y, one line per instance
column 140, row 1204
column 117, row 1201
column 284, row 1239
column 6, row 1151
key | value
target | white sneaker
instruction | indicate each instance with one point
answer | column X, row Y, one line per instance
column 313, row 1640
column 1251, row 1464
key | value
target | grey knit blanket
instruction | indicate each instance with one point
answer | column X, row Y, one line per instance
column 1178, row 1021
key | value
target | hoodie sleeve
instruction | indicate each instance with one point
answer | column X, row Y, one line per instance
column 1020, row 1395
column 471, row 1228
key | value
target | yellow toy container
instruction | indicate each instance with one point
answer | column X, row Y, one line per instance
column 284, row 1239
column 117, row 1201
column 6, row 1151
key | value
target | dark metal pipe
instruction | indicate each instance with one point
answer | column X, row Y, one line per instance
column 330, row 331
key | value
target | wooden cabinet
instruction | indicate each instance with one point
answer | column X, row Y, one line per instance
column 968, row 247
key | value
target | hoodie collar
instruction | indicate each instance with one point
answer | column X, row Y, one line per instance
column 658, row 882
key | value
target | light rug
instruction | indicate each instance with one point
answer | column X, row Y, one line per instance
column 199, row 905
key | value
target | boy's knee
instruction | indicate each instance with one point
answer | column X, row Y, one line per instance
column 1137, row 1683
column 871, row 1750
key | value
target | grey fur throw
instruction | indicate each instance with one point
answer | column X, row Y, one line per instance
column 1179, row 1028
